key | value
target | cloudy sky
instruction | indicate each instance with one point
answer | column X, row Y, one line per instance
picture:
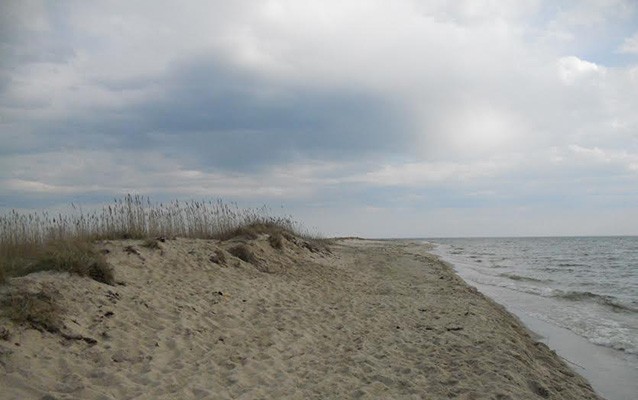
column 374, row 118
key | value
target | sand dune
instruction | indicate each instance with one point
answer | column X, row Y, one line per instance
column 366, row 320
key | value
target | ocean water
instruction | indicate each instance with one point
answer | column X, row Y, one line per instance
column 587, row 285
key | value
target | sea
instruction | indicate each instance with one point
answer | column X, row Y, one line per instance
column 579, row 294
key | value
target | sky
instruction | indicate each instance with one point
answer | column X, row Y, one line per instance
column 372, row 118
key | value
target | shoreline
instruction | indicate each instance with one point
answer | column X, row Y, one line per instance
column 369, row 320
column 609, row 371
column 604, row 368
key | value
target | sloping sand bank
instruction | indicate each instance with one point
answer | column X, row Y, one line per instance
column 369, row 320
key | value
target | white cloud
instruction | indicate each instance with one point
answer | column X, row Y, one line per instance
column 147, row 172
column 24, row 186
column 425, row 173
column 476, row 130
column 630, row 44
column 571, row 69
column 595, row 155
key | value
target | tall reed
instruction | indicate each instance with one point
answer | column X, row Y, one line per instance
column 130, row 217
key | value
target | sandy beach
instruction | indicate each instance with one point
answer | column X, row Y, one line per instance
column 358, row 319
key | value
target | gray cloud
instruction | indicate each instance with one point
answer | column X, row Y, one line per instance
column 228, row 119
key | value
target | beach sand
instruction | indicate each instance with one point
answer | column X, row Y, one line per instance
column 367, row 319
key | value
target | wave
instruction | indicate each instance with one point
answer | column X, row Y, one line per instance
column 543, row 291
column 563, row 267
column 609, row 301
column 614, row 343
column 617, row 339
column 515, row 277
column 568, row 264
column 561, row 270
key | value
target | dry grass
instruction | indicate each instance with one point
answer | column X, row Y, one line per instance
column 76, row 257
column 151, row 243
column 39, row 310
column 72, row 256
column 276, row 240
column 252, row 229
column 244, row 253
column 5, row 334
column 218, row 257
column 38, row 241
column 135, row 217
column 317, row 245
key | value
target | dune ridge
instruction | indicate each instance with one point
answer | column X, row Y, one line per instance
column 280, row 318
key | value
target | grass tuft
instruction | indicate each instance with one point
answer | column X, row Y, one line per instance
column 276, row 240
column 218, row 257
column 151, row 243
column 252, row 230
column 75, row 257
column 244, row 253
column 5, row 334
column 39, row 310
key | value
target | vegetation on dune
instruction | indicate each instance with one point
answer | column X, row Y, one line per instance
column 276, row 240
column 218, row 257
column 244, row 253
column 39, row 241
column 39, row 310
column 73, row 256
column 151, row 243
column 253, row 229
column 65, row 243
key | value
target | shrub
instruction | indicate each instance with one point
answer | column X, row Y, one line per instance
column 37, row 309
column 12, row 266
column 244, row 253
column 218, row 257
column 151, row 243
column 244, row 232
column 76, row 257
column 5, row 334
column 276, row 241
column 315, row 245
column 251, row 230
